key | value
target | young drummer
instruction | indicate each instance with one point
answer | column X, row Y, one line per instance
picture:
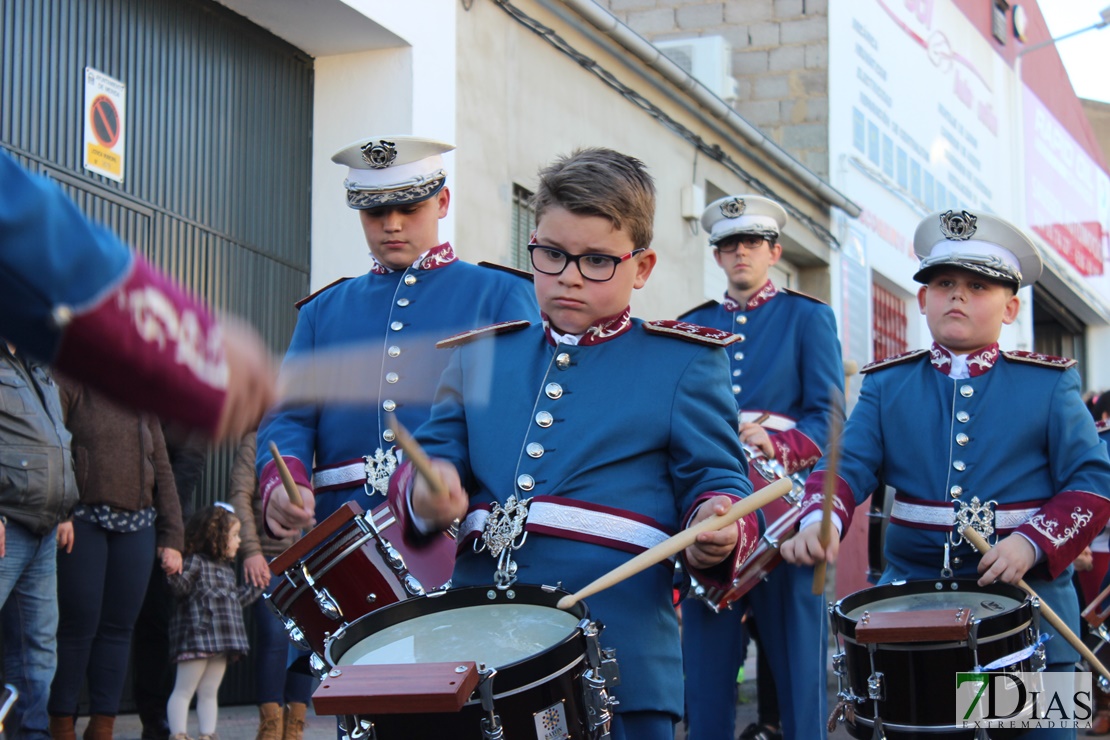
column 616, row 432
column 785, row 370
column 943, row 428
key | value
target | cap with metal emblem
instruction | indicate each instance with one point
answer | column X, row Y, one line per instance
column 743, row 214
column 978, row 242
column 392, row 170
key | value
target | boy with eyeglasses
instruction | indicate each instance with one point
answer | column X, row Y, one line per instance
column 604, row 434
column 782, row 375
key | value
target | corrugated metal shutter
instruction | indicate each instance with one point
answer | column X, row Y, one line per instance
column 218, row 154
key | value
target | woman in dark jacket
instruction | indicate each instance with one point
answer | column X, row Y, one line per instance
column 128, row 514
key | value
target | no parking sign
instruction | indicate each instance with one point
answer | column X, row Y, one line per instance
column 104, row 124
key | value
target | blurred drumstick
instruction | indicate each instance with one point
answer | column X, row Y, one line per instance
column 1092, row 614
column 286, row 477
column 679, row 542
column 984, row 547
column 762, row 417
column 836, row 414
column 414, row 452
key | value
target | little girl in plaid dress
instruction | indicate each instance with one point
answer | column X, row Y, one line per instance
column 207, row 626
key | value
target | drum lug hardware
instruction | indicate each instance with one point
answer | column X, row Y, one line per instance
column 296, row 636
column 878, row 733
column 328, row 605
column 413, row 586
column 317, row 666
column 1102, row 633
column 1039, row 661
column 371, row 598
column 839, row 664
column 357, row 728
column 335, row 673
column 491, row 724
column 875, row 687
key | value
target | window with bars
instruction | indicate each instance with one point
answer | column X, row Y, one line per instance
column 524, row 223
column 888, row 323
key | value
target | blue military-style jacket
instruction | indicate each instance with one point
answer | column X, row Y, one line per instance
column 1012, row 447
column 786, row 363
column 396, row 317
column 630, row 424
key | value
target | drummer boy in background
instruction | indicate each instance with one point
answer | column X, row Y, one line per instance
column 416, row 291
column 618, row 433
column 786, row 368
column 943, row 427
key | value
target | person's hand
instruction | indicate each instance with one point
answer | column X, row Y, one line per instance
column 64, row 536
column 1085, row 561
column 1007, row 561
column 754, row 435
column 436, row 509
column 284, row 518
column 170, row 559
column 256, row 572
column 805, row 548
column 711, row 548
column 251, row 380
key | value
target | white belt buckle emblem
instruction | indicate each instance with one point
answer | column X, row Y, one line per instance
column 977, row 515
column 378, row 469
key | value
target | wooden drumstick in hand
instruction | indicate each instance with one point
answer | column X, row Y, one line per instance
column 416, row 454
column 984, row 547
column 829, row 491
column 679, row 542
column 286, row 477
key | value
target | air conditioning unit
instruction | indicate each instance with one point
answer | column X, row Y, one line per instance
column 708, row 59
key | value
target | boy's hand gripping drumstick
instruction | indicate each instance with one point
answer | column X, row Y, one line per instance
column 679, row 542
column 416, row 454
column 984, row 547
column 829, row 490
column 286, row 477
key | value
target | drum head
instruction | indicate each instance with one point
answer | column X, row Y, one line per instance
column 984, row 602
column 498, row 628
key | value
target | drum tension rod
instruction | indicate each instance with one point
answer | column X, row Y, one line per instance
column 491, row 725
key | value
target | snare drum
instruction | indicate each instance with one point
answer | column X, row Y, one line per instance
column 339, row 571
column 900, row 646
column 460, row 662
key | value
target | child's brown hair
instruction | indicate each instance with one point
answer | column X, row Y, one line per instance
column 208, row 531
column 601, row 182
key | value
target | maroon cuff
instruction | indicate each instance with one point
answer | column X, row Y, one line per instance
column 722, row 575
column 844, row 503
column 795, row 451
column 1065, row 525
column 149, row 345
column 270, row 480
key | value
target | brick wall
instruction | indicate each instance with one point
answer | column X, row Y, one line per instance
column 780, row 58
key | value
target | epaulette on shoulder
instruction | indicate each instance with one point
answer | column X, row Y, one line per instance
column 492, row 330
column 511, row 270
column 695, row 309
column 893, row 360
column 1036, row 358
column 310, row 296
column 800, row 294
column 691, row 332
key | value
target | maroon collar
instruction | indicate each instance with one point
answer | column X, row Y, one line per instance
column 978, row 362
column 766, row 293
column 435, row 257
column 598, row 332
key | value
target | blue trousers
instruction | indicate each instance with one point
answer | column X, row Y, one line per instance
column 101, row 586
column 29, row 594
column 793, row 629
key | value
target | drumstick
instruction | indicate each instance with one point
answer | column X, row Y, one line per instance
column 829, row 491
column 286, row 477
column 1092, row 608
column 679, row 542
column 414, row 452
column 982, row 546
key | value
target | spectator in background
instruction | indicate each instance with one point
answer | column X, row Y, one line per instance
column 37, row 493
column 152, row 673
column 275, row 686
column 128, row 513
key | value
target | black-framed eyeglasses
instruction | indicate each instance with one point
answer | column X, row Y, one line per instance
column 754, row 240
column 598, row 268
